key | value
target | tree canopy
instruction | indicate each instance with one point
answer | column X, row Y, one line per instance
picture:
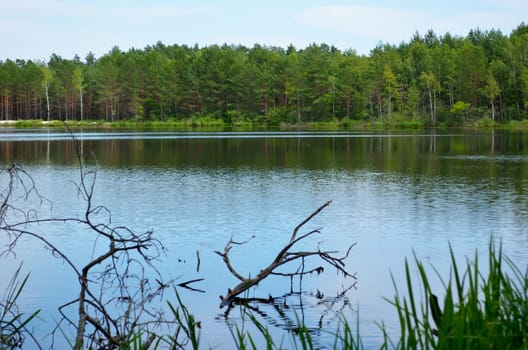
column 427, row 78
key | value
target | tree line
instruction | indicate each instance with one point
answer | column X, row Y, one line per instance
column 436, row 79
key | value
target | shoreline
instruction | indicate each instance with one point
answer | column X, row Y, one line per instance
column 220, row 125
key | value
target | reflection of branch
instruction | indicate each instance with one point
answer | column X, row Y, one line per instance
column 286, row 312
column 113, row 285
column 285, row 256
column 186, row 285
column 331, row 302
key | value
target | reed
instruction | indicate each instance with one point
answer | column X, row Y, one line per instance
column 473, row 310
column 187, row 327
column 477, row 311
column 13, row 332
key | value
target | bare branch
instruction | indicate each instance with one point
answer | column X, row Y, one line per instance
column 284, row 257
column 114, row 290
column 225, row 257
column 310, row 217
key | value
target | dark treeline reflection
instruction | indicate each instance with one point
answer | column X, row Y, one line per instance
column 469, row 154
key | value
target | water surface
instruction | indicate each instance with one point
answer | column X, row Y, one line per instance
column 394, row 194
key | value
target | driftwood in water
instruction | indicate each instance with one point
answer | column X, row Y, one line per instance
column 284, row 257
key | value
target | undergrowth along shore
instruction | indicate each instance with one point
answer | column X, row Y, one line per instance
column 474, row 310
column 214, row 124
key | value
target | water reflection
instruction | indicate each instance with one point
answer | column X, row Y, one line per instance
column 431, row 153
column 317, row 312
column 393, row 194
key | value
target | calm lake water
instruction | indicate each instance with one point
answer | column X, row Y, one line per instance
column 393, row 194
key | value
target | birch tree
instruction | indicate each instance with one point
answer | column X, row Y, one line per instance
column 432, row 87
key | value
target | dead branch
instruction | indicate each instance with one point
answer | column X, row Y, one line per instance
column 197, row 261
column 285, row 256
column 114, row 285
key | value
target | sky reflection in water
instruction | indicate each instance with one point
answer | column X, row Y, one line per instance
column 393, row 195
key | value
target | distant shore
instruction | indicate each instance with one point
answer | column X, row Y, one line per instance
column 220, row 125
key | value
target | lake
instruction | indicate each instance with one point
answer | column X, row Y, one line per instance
column 394, row 194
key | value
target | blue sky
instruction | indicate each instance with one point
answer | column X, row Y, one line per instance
column 34, row 29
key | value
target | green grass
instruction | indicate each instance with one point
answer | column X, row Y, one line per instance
column 471, row 310
column 517, row 124
column 187, row 328
column 211, row 123
column 13, row 323
column 476, row 311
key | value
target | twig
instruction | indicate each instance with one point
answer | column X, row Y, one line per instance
column 114, row 276
column 284, row 256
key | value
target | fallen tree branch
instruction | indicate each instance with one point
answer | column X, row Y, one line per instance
column 116, row 284
column 285, row 256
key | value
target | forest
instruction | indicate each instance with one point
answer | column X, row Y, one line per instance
column 434, row 79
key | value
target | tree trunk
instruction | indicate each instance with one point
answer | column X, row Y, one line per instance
column 431, row 110
column 389, row 107
column 47, row 101
column 298, row 109
column 492, row 110
column 81, row 95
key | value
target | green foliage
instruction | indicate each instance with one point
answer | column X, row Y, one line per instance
column 300, row 336
column 347, row 339
column 26, row 123
column 270, row 86
column 473, row 311
column 460, row 107
column 13, row 322
column 244, row 339
column 485, row 122
column 346, row 123
column 516, row 124
column 460, row 111
column 187, row 328
column 476, row 311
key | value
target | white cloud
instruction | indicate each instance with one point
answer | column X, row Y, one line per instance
column 394, row 25
column 40, row 27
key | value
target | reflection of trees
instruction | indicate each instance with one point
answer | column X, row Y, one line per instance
column 418, row 153
column 116, row 284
